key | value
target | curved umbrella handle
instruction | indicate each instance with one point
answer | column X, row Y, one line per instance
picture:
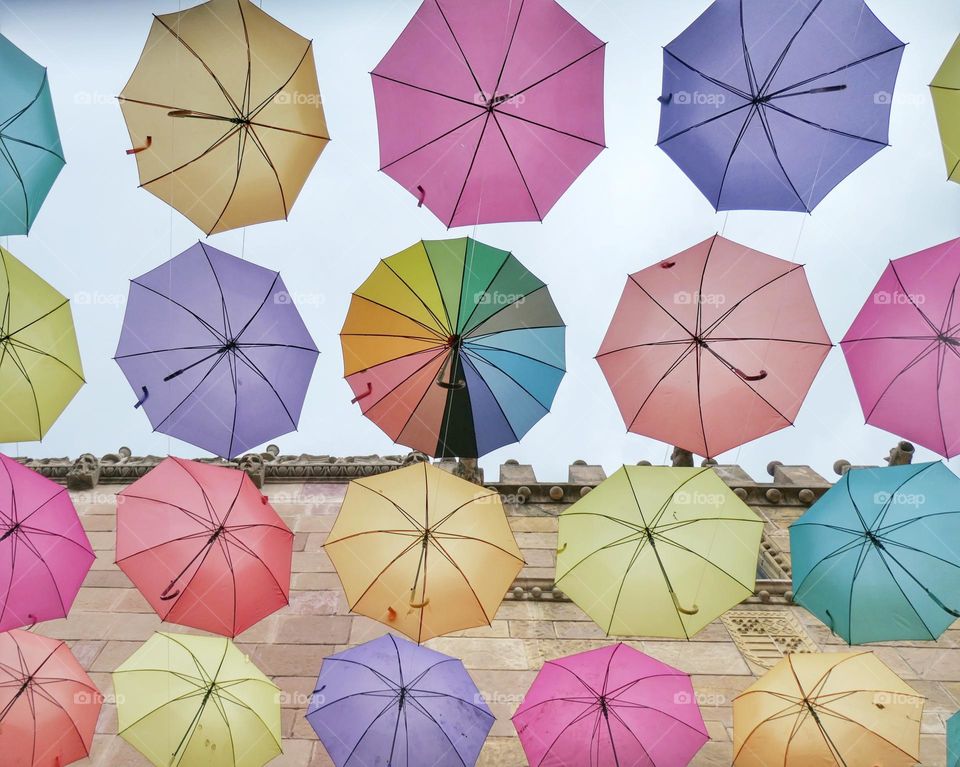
column 422, row 196
column 419, row 605
column 451, row 384
column 166, row 595
column 367, row 393
column 665, row 100
column 758, row 377
column 143, row 399
column 143, row 147
column 562, row 548
column 676, row 602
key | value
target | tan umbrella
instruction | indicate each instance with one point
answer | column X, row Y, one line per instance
column 225, row 114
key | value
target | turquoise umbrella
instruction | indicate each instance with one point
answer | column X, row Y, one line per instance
column 953, row 741
column 878, row 557
column 30, row 152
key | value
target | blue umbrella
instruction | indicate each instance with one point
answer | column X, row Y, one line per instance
column 878, row 557
column 953, row 741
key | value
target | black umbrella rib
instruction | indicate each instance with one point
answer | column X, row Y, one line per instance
column 227, row 331
column 245, row 100
column 516, row 163
column 446, row 555
column 473, row 160
column 5, row 153
column 241, row 152
column 414, row 293
column 443, row 732
column 915, row 361
column 726, row 86
column 786, row 50
column 465, row 324
column 893, row 495
column 231, row 132
column 748, row 62
column 709, row 120
column 242, row 356
column 883, row 554
column 666, row 311
column 459, row 47
column 405, row 514
column 20, row 345
column 432, row 141
column 23, row 142
column 476, row 348
column 913, row 303
column 768, row 132
column 468, row 356
column 256, row 313
column 26, row 376
column 506, row 55
column 189, row 394
column 213, row 331
column 434, row 332
column 263, row 104
column 576, row 720
column 258, row 143
column 548, row 127
column 26, row 108
column 835, row 131
column 430, row 91
column 436, row 525
column 666, row 374
column 740, row 377
column 557, row 72
column 782, row 92
column 405, row 380
column 751, row 294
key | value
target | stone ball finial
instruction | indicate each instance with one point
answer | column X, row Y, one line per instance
column 556, row 493
column 124, row 452
column 709, row 462
column 741, row 493
column 774, row 495
column 841, row 466
column 584, row 490
column 806, row 496
column 523, row 494
column 511, row 462
column 273, row 450
column 772, row 467
column 644, row 463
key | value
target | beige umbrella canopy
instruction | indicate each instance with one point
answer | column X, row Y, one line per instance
column 225, row 114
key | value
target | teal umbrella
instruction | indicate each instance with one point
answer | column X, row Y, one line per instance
column 953, row 741
column 878, row 557
column 30, row 153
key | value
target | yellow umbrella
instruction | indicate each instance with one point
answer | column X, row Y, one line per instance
column 423, row 551
column 40, row 368
column 197, row 701
column 825, row 709
column 945, row 89
column 225, row 112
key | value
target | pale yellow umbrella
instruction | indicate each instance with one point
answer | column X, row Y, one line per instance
column 423, row 551
column 824, row 709
column 945, row 89
column 225, row 113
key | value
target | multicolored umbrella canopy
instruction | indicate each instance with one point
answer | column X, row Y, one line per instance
column 197, row 700
column 44, row 552
column 423, row 551
column 391, row 702
column 610, row 706
column 827, row 709
column 225, row 114
column 31, row 156
column 203, row 546
column 768, row 106
column 945, row 90
column 489, row 111
column 875, row 557
column 216, row 351
column 40, row 369
column 453, row 348
column 658, row 551
column 953, row 741
column 48, row 705
column 903, row 350
column 713, row 347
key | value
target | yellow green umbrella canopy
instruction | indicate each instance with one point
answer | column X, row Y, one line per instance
column 945, row 89
column 658, row 551
column 197, row 701
column 40, row 368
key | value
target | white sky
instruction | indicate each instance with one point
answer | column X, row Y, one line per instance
column 631, row 208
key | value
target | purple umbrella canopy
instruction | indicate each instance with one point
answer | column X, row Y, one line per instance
column 392, row 703
column 769, row 104
column 216, row 350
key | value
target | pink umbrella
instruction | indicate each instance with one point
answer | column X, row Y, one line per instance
column 44, row 551
column 903, row 349
column 488, row 111
column 610, row 707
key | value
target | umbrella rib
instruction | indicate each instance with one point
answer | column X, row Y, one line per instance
column 189, row 394
column 786, row 50
column 933, row 597
column 258, row 143
column 506, row 55
column 576, row 720
column 830, row 712
column 516, row 163
column 782, row 92
column 276, row 278
column 459, row 47
column 459, row 537
column 474, row 345
column 367, row 730
column 409, row 287
column 913, row 303
column 445, row 554
column 405, row 380
column 443, row 732
column 666, row 311
column 473, row 160
column 419, row 528
column 377, row 577
column 709, row 120
column 26, row 376
column 726, row 86
column 562, row 69
column 733, row 370
column 912, row 363
column 709, row 562
column 470, row 356
column 5, row 153
column 836, row 131
column 736, row 145
column 430, row 91
column 231, row 132
column 713, row 325
column 23, row 110
column 20, row 345
column 241, row 151
column 845, row 548
column 434, row 332
column 886, row 506
column 227, row 330
column 751, row 74
column 673, row 366
column 548, row 127
column 215, row 333
column 436, row 525
column 464, row 325
column 438, row 694
column 263, row 104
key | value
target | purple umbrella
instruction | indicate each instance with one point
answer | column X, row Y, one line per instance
column 216, row 350
column 769, row 104
column 390, row 702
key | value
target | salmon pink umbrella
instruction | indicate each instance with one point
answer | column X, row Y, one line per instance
column 204, row 547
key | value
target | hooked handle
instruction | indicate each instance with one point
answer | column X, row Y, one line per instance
column 143, row 399
column 360, row 396
column 143, row 147
column 758, row 377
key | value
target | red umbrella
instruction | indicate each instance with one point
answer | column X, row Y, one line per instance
column 204, row 546
column 713, row 347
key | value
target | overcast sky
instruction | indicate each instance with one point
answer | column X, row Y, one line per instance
column 631, row 208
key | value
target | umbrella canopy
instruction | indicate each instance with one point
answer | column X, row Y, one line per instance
column 225, row 112
column 945, row 90
column 197, row 700
column 391, row 702
column 903, row 350
column 203, row 546
column 768, row 106
column 40, row 369
column 658, row 551
column 874, row 558
column 843, row 709
column 44, row 551
column 31, row 156
column 423, row 551
column 453, row 348
column 489, row 111
column 48, row 705
column 216, row 351
column 610, row 706
column 953, row 741
column 713, row 347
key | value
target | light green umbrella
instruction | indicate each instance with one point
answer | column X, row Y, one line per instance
column 945, row 89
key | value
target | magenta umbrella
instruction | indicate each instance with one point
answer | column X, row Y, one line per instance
column 488, row 111
column 903, row 349
column 610, row 707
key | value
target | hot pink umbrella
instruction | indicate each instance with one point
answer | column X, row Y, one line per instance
column 44, row 551
column 610, row 707
column 903, row 349
column 713, row 347
column 488, row 111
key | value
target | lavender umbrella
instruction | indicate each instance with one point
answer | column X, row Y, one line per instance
column 216, row 351
column 392, row 702
column 769, row 104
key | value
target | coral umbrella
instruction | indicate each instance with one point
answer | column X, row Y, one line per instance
column 216, row 351
column 48, row 705
column 843, row 709
column 903, row 349
column 391, row 702
column 423, row 551
column 186, row 701
column 31, row 156
column 44, row 552
column 489, row 111
column 713, row 347
column 203, row 546
column 453, row 348
column 945, row 90
column 770, row 105
column 40, row 369
column 225, row 112
column 610, row 706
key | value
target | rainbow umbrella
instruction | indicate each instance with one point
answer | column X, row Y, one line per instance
column 453, row 348
column 945, row 89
